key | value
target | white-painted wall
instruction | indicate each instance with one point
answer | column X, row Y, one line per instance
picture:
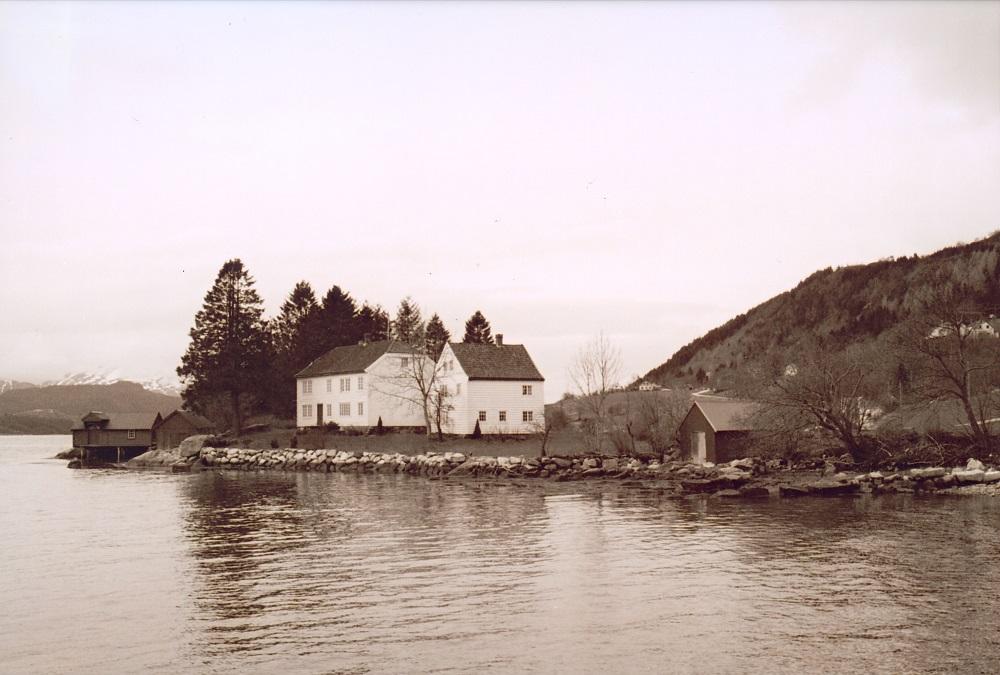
column 490, row 396
column 393, row 394
column 373, row 393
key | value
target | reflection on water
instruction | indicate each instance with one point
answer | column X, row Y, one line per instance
column 344, row 573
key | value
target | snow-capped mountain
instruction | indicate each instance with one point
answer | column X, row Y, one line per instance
column 11, row 385
column 161, row 385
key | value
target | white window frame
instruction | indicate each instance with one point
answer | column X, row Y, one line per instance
column 131, row 432
column 458, row 389
column 404, row 362
column 307, row 410
column 329, row 410
column 361, row 382
column 307, row 386
column 329, row 385
column 503, row 415
column 525, row 390
column 527, row 415
column 361, row 408
column 345, row 409
column 482, row 415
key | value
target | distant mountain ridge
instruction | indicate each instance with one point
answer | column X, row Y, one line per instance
column 163, row 385
column 54, row 408
column 853, row 304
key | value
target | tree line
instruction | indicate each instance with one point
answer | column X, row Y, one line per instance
column 240, row 363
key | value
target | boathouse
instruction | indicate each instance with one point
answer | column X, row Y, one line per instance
column 114, row 437
column 716, row 429
column 178, row 425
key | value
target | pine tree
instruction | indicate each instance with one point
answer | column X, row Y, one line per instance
column 408, row 325
column 477, row 330
column 296, row 343
column 337, row 324
column 373, row 322
column 227, row 360
column 436, row 336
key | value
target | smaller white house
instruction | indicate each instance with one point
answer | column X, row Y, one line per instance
column 496, row 385
column 356, row 385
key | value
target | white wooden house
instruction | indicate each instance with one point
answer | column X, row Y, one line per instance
column 357, row 384
column 495, row 385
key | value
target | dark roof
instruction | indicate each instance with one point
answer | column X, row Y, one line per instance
column 196, row 421
column 352, row 358
column 726, row 414
column 496, row 362
column 143, row 420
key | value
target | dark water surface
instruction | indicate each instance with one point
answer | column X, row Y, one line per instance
column 124, row 572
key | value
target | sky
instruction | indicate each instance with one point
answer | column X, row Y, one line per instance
column 648, row 170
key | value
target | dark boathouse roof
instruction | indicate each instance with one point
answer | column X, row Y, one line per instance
column 496, row 362
column 116, row 420
column 353, row 358
column 727, row 414
column 196, row 421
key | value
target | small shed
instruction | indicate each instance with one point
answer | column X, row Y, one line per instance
column 716, row 429
column 114, row 436
column 178, row 425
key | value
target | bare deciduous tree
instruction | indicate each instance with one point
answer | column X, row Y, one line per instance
column 953, row 354
column 595, row 373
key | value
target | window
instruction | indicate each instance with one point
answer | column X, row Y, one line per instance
column 307, row 410
column 404, row 362
column 528, row 416
column 329, row 384
column 482, row 415
column 361, row 408
column 458, row 388
column 307, row 386
column 525, row 390
column 345, row 384
column 503, row 415
column 329, row 410
column 345, row 409
column 361, row 382
column 131, row 432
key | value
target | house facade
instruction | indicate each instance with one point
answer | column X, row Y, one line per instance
column 355, row 385
column 496, row 385
column 114, row 436
column 716, row 430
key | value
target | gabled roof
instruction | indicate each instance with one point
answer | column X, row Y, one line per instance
column 137, row 421
column 196, row 421
column 495, row 362
column 727, row 414
column 353, row 358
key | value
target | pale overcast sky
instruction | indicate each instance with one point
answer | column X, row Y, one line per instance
column 646, row 169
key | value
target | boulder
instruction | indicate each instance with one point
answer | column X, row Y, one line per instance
column 754, row 492
column 746, row 463
column 969, row 476
column 793, row 491
column 562, row 462
column 593, row 472
column 922, row 474
column 830, row 488
column 610, row 464
column 974, row 464
column 991, row 476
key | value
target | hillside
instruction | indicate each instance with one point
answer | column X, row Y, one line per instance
column 853, row 304
column 53, row 409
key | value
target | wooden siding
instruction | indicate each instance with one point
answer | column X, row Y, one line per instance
column 170, row 433
column 381, row 397
column 111, row 438
column 723, row 446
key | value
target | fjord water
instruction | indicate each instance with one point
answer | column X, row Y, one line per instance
column 105, row 571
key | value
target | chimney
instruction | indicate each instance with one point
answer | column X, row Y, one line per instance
column 499, row 339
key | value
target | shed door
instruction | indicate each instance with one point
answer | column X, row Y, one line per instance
column 698, row 446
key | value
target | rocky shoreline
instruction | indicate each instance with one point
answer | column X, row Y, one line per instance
column 744, row 478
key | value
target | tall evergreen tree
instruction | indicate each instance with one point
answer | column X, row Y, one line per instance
column 477, row 330
column 296, row 343
column 408, row 325
column 336, row 324
column 436, row 336
column 373, row 322
column 227, row 360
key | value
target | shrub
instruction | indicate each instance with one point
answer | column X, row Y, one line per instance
column 294, row 442
column 274, row 444
column 477, row 432
column 331, row 427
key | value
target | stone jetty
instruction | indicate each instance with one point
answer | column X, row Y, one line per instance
column 744, row 478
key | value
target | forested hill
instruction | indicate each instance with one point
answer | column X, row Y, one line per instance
column 846, row 305
column 54, row 409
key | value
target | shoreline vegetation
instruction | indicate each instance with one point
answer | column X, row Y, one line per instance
column 743, row 478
